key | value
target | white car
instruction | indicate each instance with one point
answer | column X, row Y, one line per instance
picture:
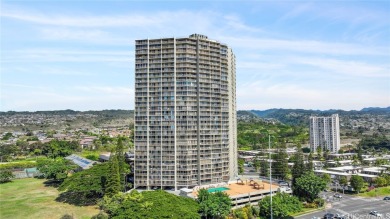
column 338, row 196
column 340, row 216
column 375, row 213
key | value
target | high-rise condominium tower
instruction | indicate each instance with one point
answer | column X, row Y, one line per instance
column 185, row 113
column 325, row 133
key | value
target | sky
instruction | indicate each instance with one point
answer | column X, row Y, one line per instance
column 79, row 55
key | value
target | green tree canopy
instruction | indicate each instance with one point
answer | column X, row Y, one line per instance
column 380, row 181
column 149, row 204
column 114, row 181
column 280, row 167
column 55, row 169
column 298, row 169
column 343, row 181
column 357, row 182
column 326, row 177
column 6, row 175
column 87, row 184
column 309, row 186
column 283, row 205
column 213, row 205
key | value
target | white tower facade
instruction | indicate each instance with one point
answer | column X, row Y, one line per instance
column 185, row 113
column 325, row 133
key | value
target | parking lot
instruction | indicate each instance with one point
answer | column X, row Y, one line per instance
column 352, row 207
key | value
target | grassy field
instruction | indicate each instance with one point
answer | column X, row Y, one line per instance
column 30, row 198
column 383, row 191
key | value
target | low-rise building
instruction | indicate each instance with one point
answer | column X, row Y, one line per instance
column 243, row 191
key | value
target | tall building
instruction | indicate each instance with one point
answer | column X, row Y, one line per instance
column 325, row 133
column 185, row 113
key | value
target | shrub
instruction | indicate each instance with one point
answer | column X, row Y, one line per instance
column 18, row 165
column 101, row 215
column 311, row 205
column 6, row 176
column 66, row 216
column 319, row 202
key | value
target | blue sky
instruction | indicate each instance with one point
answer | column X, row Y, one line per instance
column 290, row 54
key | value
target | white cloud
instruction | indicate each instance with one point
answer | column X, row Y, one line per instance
column 78, row 98
column 263, row 95
column 349, row 67
column 304, row 46
column 66, row 55
column 83, row 21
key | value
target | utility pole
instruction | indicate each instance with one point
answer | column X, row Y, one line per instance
column 270, row 170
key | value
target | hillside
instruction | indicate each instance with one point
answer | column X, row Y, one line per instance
column 367, row 119
column 64, row 119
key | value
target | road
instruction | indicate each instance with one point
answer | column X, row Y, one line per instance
column 352, row 206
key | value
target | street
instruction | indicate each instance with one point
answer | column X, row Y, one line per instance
column 352, row 207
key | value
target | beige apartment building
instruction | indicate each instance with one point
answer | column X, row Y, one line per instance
column 185, row 113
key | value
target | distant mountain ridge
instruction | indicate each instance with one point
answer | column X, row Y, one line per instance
column 376, row 109
column 301, row 116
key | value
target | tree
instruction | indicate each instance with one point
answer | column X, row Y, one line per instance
column 55, row 169
column 326, row 177
column 280, row 166
column 360, row 153
column 246, row 212
column 326, row 154
column 387, row 177
column 380, row 162
column 310, row 165
column 7, row 136
column 6, row 176
column 7, row 152
column 343, row 181
column 113, row 182
column 309, row 186
column 67, row 216
column 256, row 164
column 59, row 148
column 355, row 161
column 101, row 215
column 357, row 182
column 264, row 169
column 241, row 166
column 149, row 204
column 283, row 205
column 299, row 167
column 123, row 168
column 214, row 205
column 87, row 185
column 381, row 181
column 319, row 152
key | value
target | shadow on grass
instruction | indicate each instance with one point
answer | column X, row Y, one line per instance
column 78, row 199
column 52, row 183
column 5, row 182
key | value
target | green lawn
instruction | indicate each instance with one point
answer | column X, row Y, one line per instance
column 383, row 191
column 307, row 211
column 29, row 198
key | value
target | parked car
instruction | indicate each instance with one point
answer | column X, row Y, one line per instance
column 386, row 198
column 283, row 183
column 339, row 216
column 338, row 196
column 328, row 216
column 376, row 213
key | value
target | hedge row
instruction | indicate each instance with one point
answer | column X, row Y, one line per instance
column 18, row 165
